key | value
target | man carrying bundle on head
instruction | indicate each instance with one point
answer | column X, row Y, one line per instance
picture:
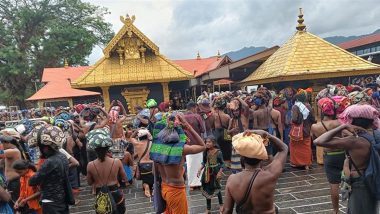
column 238, row 123
column 252, row 190
column 333, row 159
column 264, row 117
column 168, row 151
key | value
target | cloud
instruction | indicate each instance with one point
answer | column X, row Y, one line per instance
column 182, row 27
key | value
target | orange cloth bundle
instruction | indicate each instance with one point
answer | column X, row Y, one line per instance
column 252, row 146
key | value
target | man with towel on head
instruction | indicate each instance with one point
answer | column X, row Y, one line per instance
column 252, row 190
column 363, row 123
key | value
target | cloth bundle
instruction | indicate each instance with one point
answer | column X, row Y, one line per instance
column 51, row 136
column 251, row 146
column 360, row 111
column 99, row 138
column 168, row 143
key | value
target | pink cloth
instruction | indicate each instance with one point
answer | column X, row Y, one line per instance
column 327, row 106
column 360, row 111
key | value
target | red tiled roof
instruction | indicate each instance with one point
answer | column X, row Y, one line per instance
column 223, row 82
column 58, row 84
column 53, row 74
column 361, row 41
column 200, row 66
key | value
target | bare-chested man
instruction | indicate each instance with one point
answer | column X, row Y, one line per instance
column 141, row 141
column 267, row 119
column 240, row 116
column 363, row 128
column 9, row 138
column 106, row 170
column 258, row 183
column 333, row 159
column 173, row 184
column 221, row 122
column 238, row 123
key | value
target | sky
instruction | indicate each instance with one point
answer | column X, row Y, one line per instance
column 181, row 28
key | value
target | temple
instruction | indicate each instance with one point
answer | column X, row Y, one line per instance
column 306, row 57
column 132, row 67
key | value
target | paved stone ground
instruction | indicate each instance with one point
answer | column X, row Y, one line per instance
column 298, row 191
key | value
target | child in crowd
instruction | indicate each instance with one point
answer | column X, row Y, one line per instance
column 213, row 165
column 28, row 195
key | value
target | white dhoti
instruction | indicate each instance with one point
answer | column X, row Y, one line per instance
column 194, row 163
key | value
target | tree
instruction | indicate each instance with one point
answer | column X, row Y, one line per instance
column 35, row 34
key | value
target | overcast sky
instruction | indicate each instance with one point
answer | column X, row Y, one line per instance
column 181, row 28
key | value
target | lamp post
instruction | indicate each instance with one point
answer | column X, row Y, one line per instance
column 35, row 81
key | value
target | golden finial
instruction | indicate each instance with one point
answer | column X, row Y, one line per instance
column 301, row 26
column 198, row 55
column 218, row 54
column 127, row 19
column 66, row 64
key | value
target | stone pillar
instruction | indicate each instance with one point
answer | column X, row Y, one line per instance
column 165, row 91
column 106, row 97
column 70, row 101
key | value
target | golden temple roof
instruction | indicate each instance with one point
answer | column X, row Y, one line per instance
column 306, row 56
column 131, row 58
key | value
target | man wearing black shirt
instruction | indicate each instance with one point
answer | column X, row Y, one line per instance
column 52, row 176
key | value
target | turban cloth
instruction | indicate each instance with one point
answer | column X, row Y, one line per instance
column 288, row 93
column 202, row 99
column 64, row 125
column 327, row 106
column 10, row 132
column 279, row 100
column 163, row 106
column 220, row 102
column 301, row 95
column 251, row 146
column 234, row 105
column 28, row 126
column 63, row 115
column 360, row 111
column 341, row 103
column 262, row 96
column 375, row 99
column 114, row 114
column 78, row 108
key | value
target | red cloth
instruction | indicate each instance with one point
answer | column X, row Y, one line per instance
column 300, row 152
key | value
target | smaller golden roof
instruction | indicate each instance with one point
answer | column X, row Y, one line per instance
column 306, row 56
column 131, row 58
